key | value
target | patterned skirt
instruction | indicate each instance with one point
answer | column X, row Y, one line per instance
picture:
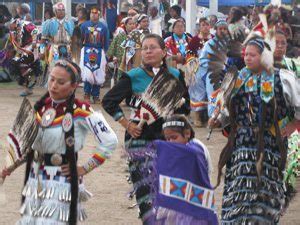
column 139, row 163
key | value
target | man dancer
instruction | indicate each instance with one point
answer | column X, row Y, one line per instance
column 25, row 65
column 92, row 61
column 58, row 31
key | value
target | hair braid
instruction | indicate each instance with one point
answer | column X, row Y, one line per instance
column 72, row 160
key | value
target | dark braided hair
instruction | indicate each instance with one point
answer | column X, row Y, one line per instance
column 74, row 71
column 72, row 160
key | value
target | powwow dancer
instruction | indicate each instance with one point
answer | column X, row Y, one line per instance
column 132, row 86
column 177, row 45
column 93, row 60
column 187, row 173
column 58, row 30
column 289, row 128
column 116, row 51
column 255, row 154
column 54, row 191
column 211, row 65
column 132, row 53
column 25, row 65
column 197, row 42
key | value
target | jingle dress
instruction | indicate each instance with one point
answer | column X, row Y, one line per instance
column 245, row 202
column 47, row 192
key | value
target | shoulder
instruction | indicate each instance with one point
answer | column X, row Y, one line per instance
column 286, row 76
column 175, row 72
column 102, row 25
column 198, row 143
column 70, row 22
column 135, row 72
column 84, row 24
column 82, row 108
column 168, row 39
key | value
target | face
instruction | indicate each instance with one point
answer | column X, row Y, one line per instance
column 12, row 26
column 59, row 84
column 153, row 11
column 254, row 15
column 80, row 15
column 19, row 10
column 60, row 13
column 179, row 28
column 221, row 31
column 94, row 16
column 252, row 58
column 204, row 27
column 144, row 24
column 152, row 54
column 281, row 45
column 176, row 137
column 213, row 20
column 130, row 25
column 47, row 15
column 131, row 13
column 173, row 13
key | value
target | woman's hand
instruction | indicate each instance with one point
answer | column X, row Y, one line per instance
column 115, row 60
column 134, row 130
column 5, row 173
column 213, row 123
column 131, row 127
column 179, row 59
column 65, row 169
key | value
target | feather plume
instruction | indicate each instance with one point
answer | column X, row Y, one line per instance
column 162, row 97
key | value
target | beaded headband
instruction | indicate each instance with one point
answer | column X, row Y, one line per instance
column 221, row 23
column 141, row 17
column 173, row 124
column 258, row 42
column 65, row 63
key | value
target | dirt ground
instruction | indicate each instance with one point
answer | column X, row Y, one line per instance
column 109, row 204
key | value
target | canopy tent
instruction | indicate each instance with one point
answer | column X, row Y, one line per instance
column 49, row 1
column 205, row 3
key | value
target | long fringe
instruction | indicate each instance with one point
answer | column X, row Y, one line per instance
column 260, row 141
column 227, row 150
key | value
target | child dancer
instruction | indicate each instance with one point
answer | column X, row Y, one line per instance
column 183, row 165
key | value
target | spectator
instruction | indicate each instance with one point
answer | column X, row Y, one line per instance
column 155, row 21
column 48, row 14
column 22, row 11
column 204, row 35
column 174, row 13
column 213, row 19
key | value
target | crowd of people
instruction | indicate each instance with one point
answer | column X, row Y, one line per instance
column 241, row 73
